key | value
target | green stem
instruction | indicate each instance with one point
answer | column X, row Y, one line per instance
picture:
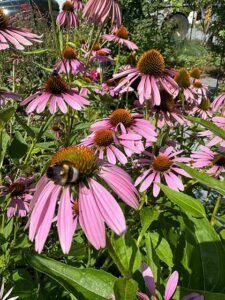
column 14, row 77
column 146, row 110
column 215, row 211
column 117, row 60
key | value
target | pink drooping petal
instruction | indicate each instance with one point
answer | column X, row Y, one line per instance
column 90, row 218
column 108, row 207
column 156, row 188
column 65, row 221
column 171, row 285
column 148, row 278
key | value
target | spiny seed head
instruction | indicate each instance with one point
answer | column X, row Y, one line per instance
column 110, row 82
column 55, row 84
column 16, row 188
column 121, row 115
column 96, row 47
column 197, row 84
column 196, row 73
column 151, row 63
column 122, row 32
column 101, row 53
column 103, row 137
column 81, row 157
column 205, row 104
column 183, row 78
column 167, row 102
column 219, row 160
column 161, row 163
column 4, row 20
column 68, row 6
column 69, row 53
column 76, row 207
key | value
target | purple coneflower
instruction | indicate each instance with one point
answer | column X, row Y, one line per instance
column 78, row 5
column 73, row 175
column 105, row 142
column 58, row 94
column 120, row 36
column 100, row 55
column 67, row 18
column 69, row 63
column 131, row 128
column 107, row 87
column 219, row 102
column 150, row 284
column 97, row 11
column 18, row 37
column 168, row 112
column 20, row 192
column 163, row 164
column 5, row 96
column 199, row 89
column 183, row 79
column 205, row 158
column 153, row 75
column 203, row 109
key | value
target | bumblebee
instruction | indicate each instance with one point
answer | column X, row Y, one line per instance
column 63, row 173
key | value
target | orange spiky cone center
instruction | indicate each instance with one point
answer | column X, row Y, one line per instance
column 56, row 85
column 161, row 163
column 69, row 53
column 103, row 137
column 68, row 6
column 196, row 73
column 122, row 32
column 183, row 78
column 121, row 115
column 151, row 63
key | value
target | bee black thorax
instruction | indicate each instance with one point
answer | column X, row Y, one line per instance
column 63, row 173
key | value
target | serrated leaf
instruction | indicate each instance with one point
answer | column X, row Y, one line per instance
column 209, row 125
column 125, row 289
column 205, row 179
column 85, row 284
column 185, row 202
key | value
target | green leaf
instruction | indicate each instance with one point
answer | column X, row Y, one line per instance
column 43, row 67
column 22, row 123
column 125, row 289
column 125, row 253
column 18, row 147
column 205, row 179
column 3, row 147
column 85, row 284
column 39, row 51
column 209, row 125
column 162, row 248
column 6, row 114
column 152, row 258
column 185, row 202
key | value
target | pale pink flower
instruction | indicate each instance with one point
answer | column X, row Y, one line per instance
column 5, row 297
column 75, row 171
column 214, row 140
column 200, row 89
column 219, row 103
column 98, row 11
column 69, row 63
column 153, row 76
column 68, row 18
column 100, row 55
column 105, row 143
column 20, row 192
column 18, row 37
column 150, row 284
column 5, row 96
column 130, row 128
column 120, row 36
column 183, row 80
column 161, row 165
column 206, row 158
column 202, row 108
column 57, row 94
